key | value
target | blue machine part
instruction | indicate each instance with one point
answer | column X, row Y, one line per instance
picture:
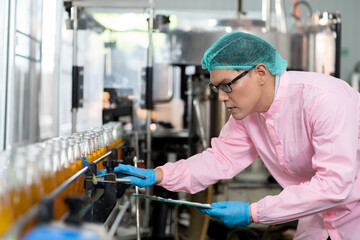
column 58, row 233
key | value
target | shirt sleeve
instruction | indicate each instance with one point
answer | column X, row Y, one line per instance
column 334, row 132
column 230, row 153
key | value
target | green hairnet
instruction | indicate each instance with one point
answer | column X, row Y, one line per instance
column 239, row 50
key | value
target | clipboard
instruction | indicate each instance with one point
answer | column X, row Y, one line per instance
column 169, row 200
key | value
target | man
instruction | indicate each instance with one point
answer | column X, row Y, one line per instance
column 305, row 128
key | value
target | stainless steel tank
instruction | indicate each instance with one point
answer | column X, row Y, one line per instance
column 308, row 47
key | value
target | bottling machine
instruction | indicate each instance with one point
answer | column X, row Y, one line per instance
column 105, row 208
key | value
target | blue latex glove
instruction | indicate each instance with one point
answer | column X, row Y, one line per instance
column 148, row 173
column 85, row 161
column 232, row 213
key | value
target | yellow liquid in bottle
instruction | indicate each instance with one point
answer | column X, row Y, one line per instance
column 73, row 168
column 94, row 155
column 6, row 218
column 80, row 183
column 68, row 191
column 74, row 185
column 59, row 204
column 19, row 201
column 67, row 173
column 49, row 184
column 90, row 158
column 102, row 151
column 35, row 194
column 59, row 177
column 107, row 149
column 100, row 166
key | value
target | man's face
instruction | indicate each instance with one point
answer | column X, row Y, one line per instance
column 246, row 93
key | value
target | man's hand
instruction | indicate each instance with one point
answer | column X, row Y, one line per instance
column 232, row 213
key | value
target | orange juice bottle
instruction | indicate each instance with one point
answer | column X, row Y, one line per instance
column 93, row 147
column 88, row 148
column 97, row 144
column 73, row 164
column 88, row 151
column 19, row 203
column 64, row 158
column 35, row 194
column 6, row 218
column 20, row 189
column 6, row 208
column 81, row 180
column 101, row 141
column 65, row 163
column 46, row 171
column 118, row 137
column 49, row 183
column 33, row 177
column 79, row 165
column 58, row 171
column 108, row 137
column 100, row 165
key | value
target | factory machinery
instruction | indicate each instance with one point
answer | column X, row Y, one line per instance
column 54, row 189
column 91, row 206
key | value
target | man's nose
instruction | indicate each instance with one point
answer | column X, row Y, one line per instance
column 223, row 96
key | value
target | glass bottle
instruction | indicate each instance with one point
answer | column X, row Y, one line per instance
column 88, row 147
column 73, row 163
column 58, row 171
column 101, row 144
column 33, row 175
column 20, row 189
column 79, row 164
column 46, row 171
column 6, row 208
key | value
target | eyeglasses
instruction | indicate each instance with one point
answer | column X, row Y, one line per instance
column 225, row 87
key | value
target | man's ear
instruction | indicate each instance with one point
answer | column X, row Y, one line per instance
column 263, row 73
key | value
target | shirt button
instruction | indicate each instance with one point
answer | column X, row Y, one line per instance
column 325, row 233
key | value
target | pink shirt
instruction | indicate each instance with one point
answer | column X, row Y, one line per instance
column 308, row 140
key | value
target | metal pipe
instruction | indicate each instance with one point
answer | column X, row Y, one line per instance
column 118, row 219
column 149, row 110
column 266, row 14
column 280, row 16
column 136, row 144
column 196, row 104
column 337, row 19
column 75, row 27
column 189, row 111
column 137, row 207
column 151, row 27
column 111, row 4
column 100, row 159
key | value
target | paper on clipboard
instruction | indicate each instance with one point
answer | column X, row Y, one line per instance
column 169, row 200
